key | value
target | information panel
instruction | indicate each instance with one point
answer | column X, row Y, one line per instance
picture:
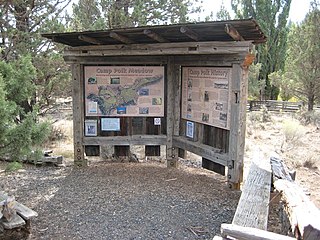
column 205, row 95
column 124, row 91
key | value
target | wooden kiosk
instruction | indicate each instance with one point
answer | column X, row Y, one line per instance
column 180, row 86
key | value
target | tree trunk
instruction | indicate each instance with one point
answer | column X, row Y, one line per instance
column 310, row 102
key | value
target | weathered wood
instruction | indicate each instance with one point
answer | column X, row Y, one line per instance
column 171, row 151
column 273, row 105
column 232, row 32
column 304, row 216
column 202, row 150
column 89, row 39
column 245, row 233
column 78, row 114
column 190, row 33
column 253, row 206
column 126, row 140
column 16, row 222
column 25, row 212
column 121, row 38
column 238, row 96
column 279, row 169
column 163, row 49
column 154, row 36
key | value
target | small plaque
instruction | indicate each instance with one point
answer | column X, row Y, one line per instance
column 157, row 121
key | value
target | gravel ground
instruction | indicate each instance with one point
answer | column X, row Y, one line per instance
column 123, row 201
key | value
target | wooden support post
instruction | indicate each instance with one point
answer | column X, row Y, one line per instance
column 78, row 115
column 232, row 32
column 172, row 152
column 238, row 100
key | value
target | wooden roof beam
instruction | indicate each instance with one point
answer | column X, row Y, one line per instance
column 154, row 36
column 232, row 32
column 89, row 39
column 121, row 38
column 190, row 33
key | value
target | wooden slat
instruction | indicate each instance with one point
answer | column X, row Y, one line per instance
column 203, row 150
column 17, row 221
column 126, row 140
column 154, row 36
column 245, row 233
column 25, row 212
column 162, row 49
column 190, row 33
column 89, row 39
column 253, row 206
column 232, row 32
column 121, row 38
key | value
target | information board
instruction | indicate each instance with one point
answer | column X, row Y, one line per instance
column 205, row 95
column 124, row 91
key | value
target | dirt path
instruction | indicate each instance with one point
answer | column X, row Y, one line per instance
column 123, row 201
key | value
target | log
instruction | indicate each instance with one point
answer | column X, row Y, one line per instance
column 253, row 206
column 244, row 233
column 304, row 216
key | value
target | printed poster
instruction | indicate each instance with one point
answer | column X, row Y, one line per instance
column 124, row 91
column 205, row 95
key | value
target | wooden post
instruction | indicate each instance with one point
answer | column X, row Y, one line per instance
column 238, row 100
column 78, row 115
column 172, row 152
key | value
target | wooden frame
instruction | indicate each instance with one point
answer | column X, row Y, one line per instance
column 227, row 147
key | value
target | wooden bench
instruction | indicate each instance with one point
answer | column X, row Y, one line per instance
column 22, row 218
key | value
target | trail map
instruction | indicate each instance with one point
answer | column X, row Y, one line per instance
column 124, row 91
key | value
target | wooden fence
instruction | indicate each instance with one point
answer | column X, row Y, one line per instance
column 273, row 105
column 251, row 217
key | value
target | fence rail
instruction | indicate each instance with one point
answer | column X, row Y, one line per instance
column 273, row 105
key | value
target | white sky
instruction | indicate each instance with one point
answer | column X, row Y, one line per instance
column 298, row 9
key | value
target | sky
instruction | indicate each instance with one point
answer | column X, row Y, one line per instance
column 298, row 9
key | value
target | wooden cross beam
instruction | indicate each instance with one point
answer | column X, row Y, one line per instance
column 232, row 32
column 121, row 38
column 154, row 36
column 190, row 33
column 89, row 39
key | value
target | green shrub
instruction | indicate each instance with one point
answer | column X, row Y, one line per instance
column 13, row 166
column 309, row 117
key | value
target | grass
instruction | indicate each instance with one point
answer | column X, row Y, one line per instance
column 13, row 167
column 292, row 131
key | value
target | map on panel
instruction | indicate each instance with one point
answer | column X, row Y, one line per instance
column 124, row 90
column 205, row 95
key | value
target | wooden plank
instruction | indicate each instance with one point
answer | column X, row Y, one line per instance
column 159, row 49
column 154, row 36
column 171, row 152
column 17, row 221
column 237, row 114
column 25, row 212
column 78, row 114
column 203, row 150
column 89, row 39
column 121, row 38
column 253, row 206
column 232, row 32
column 245, row 233
column 303, row 214
column 152, row 150
column 190, row 33
column 126, row 140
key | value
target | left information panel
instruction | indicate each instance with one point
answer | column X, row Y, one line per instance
column 136, row 91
